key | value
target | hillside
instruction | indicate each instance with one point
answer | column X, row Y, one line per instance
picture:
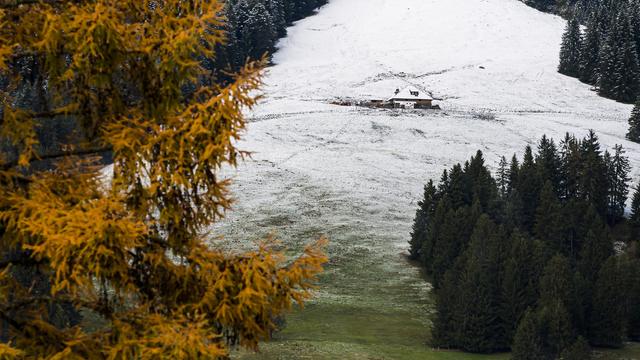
column 356, row 174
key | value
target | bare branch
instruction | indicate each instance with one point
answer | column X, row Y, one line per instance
column 62, row 154
column 9, row 4
column 11, row 321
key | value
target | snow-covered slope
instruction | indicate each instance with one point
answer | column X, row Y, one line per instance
column 496, row 57
column 367, row 48
column 356, row 174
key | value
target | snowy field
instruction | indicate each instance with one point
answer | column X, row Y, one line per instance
column 355, row 174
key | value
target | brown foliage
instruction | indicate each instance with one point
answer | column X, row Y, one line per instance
column 129, row 247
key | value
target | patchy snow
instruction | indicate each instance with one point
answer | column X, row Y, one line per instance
column 356, row 173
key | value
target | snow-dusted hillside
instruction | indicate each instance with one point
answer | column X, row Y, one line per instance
column 366, row 48
column 356, row 174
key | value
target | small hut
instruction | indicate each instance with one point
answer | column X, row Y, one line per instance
column 411, row 98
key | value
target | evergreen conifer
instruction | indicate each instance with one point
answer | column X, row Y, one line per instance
column 618, row 169
column 548, row 219
column 627, row 68
column 503, row 176
column 558, row 332
column 445, row 323
column 529, row 187
column 528, row 343
column 481, row 330
column 589, row 53
column 607, row 322
column 570, row 165
column 634, row 124
column 548, row 163
column 597, row 246
column 570, row 49
column 593, row 184
column 522, row 272
column 425, row 211
column 514, row 169
column 634, row 219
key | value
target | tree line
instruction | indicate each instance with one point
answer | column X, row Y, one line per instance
column 535, row 260
column 253, row 27
column 605, row 54
column 580, row 9
column 601, row 47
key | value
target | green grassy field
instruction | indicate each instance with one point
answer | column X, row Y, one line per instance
column 332, row 331
column 358, row 322
column 345, row 332
column 359, row 314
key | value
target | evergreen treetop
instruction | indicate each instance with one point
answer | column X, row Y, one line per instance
column 570, row 49
column 634, row 124
column 544, row 244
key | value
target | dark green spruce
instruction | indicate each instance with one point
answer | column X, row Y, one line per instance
column 526, row 261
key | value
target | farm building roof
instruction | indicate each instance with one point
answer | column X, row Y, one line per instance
column 410, row 94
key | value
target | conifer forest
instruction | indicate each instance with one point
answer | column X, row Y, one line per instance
column 539, row 249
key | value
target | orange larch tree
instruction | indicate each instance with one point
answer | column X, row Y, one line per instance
column 129, row 247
